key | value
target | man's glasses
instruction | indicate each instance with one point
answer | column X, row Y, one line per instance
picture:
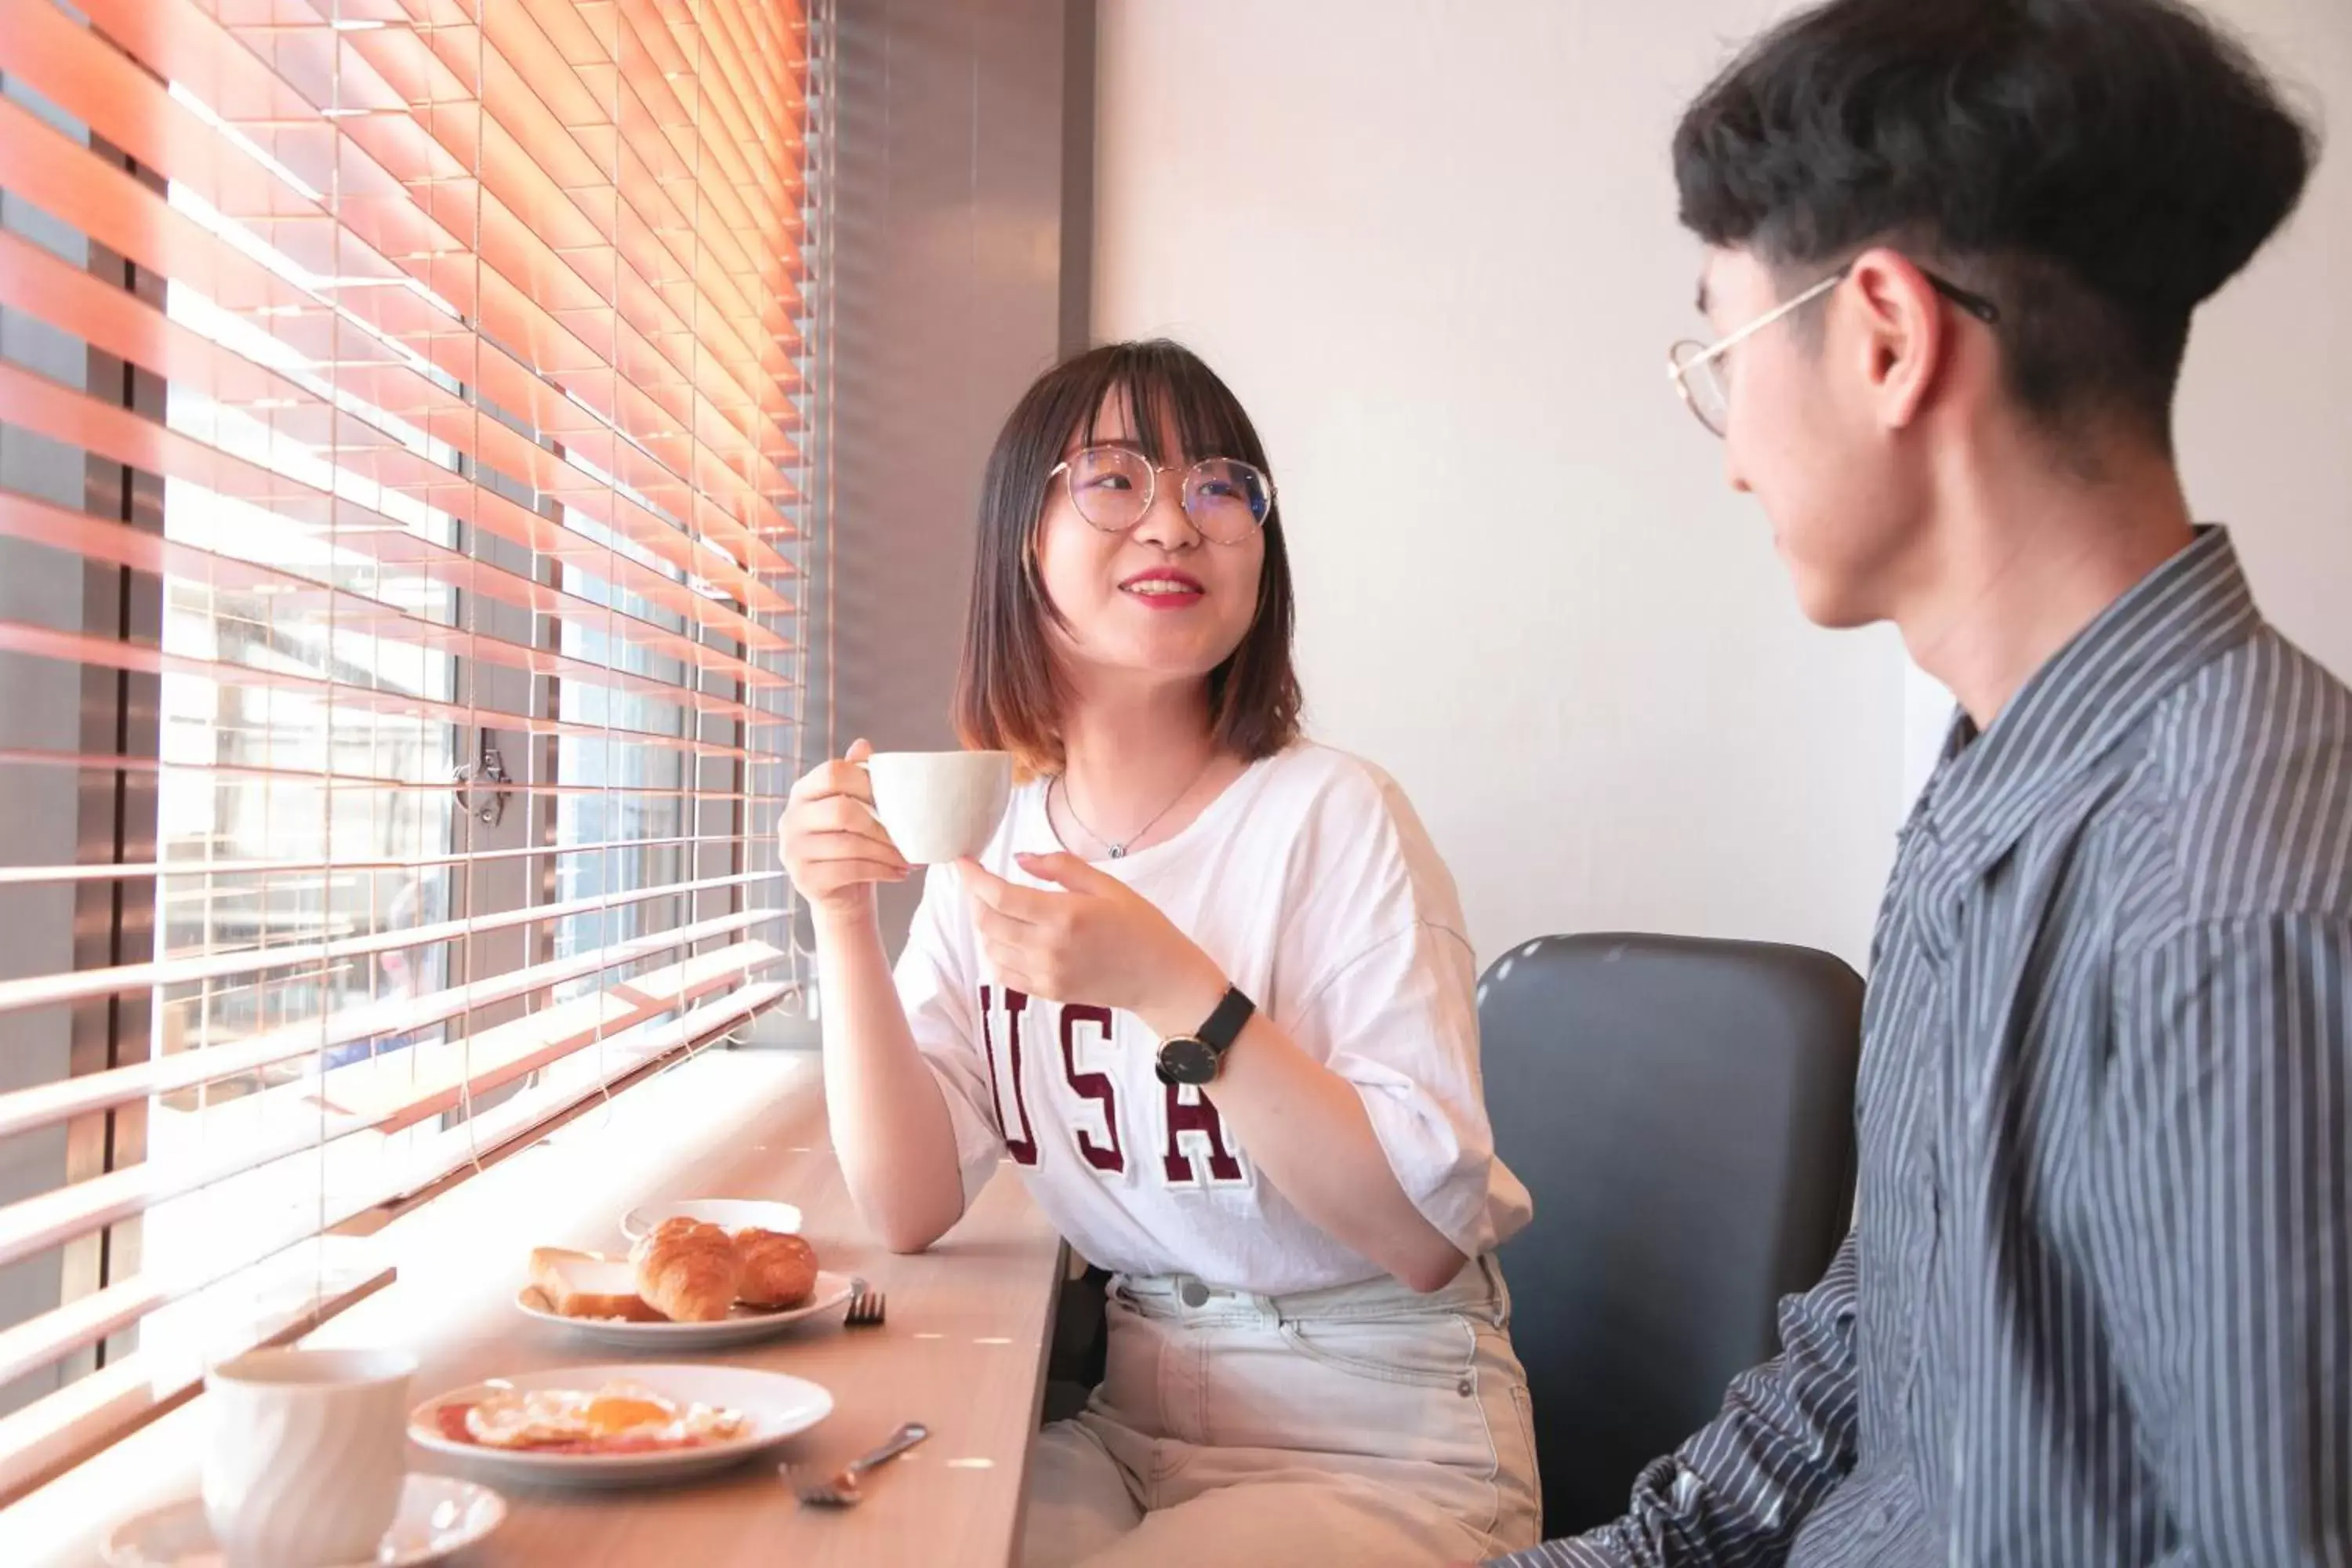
column 1114, row 486
column 1701, row 375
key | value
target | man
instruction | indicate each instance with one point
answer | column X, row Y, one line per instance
column 2097, row 1307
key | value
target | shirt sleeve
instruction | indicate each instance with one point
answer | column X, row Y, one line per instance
column 2227, row 1152
column 1737, row 1492
column 1400, row 1023
column 1389, row 1000
column 943, row 1006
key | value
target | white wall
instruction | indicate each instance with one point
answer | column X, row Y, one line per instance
column 2265, row 423
column 1434, row 249
column 1433, row 245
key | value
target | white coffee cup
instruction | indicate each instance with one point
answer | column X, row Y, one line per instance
column 940, row 805
column 307, row 1455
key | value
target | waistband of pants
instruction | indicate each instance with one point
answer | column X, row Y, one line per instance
column 1477, row 1290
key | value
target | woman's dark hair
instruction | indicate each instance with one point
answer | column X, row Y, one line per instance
column 2097, row 167
column 1009, row 691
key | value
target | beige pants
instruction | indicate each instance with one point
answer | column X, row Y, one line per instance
column 1362, row 1426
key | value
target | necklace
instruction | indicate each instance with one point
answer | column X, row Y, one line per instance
column 1119, row 850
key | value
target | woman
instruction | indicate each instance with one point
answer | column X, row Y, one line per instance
column 1208, row 990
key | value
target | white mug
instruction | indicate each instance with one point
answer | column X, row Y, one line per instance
column 940, row 805
column 307, row 1455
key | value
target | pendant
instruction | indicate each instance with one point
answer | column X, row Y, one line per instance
column 1118, row 851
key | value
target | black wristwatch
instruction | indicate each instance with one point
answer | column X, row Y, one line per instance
column 1195, row 1058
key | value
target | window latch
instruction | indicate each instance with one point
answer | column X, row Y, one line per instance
column 486, row 806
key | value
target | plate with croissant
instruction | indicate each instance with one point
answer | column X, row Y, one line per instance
column 685, row 1285
column 727, row 1214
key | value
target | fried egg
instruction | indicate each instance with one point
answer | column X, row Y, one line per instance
column 617, row 1415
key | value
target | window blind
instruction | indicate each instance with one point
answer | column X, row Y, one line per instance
column 403, row 528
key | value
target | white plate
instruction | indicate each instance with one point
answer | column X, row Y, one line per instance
column 439, row 1515
column 727, row 1214
column 774, row 1407
column 744, row 1326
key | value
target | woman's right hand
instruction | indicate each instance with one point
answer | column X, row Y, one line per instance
column 833, row 846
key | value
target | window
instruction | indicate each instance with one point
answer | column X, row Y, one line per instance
column 403, row 528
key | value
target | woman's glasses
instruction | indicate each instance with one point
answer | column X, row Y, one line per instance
column 1114, row 486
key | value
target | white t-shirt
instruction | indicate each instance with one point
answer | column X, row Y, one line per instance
column 1313, row 885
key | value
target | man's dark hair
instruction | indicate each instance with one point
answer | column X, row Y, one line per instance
column 2097, row 167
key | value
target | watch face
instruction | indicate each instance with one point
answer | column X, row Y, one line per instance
column 1183, row 1059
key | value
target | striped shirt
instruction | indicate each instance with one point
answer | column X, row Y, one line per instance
column 2097, row 1304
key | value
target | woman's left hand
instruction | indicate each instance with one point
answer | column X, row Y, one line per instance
column 1095, row 940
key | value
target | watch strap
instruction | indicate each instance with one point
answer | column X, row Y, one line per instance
column 1225, row 1026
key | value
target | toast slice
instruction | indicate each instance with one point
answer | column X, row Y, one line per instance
column 589, row 1285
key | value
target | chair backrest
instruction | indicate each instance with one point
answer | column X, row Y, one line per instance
column 1683, row 1112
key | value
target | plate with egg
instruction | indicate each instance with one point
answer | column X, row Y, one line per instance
column 687, row 1285
column 616, row 1426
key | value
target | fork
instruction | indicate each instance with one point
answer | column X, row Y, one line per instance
column 840, row 1489
column 866, row 1305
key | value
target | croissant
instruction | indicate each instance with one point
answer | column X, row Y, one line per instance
column 778, row 1270
column 687, row 1270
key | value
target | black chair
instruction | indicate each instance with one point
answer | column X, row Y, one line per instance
column 1683, row 1112
column 1080, row 1351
